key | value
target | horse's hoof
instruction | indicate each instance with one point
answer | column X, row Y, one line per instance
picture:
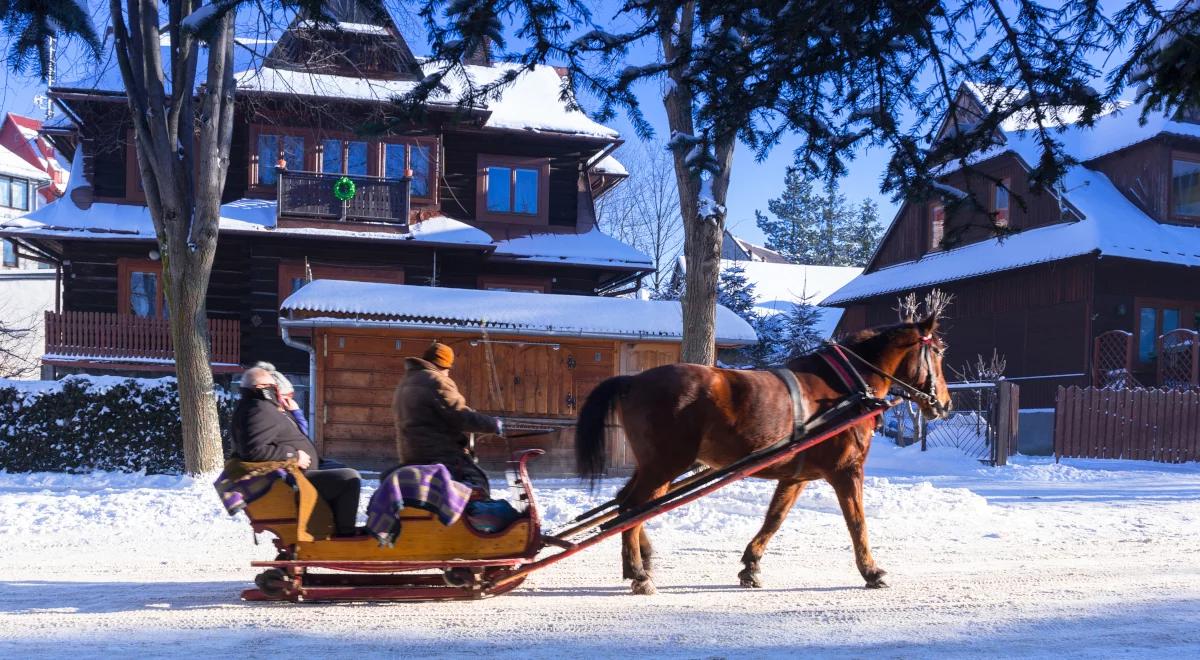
column 875, row 579
column 749, row 579
column 643, row 588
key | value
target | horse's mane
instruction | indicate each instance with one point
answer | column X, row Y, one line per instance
column 868, row 343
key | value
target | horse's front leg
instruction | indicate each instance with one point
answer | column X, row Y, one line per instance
column 785, row 496
column 848, row 486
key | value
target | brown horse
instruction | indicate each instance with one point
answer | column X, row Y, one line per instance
column 676, row 415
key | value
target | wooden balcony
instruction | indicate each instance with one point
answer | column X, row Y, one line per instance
column 131, row 341
column 376, row 199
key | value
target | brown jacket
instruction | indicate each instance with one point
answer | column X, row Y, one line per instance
column 432, row 417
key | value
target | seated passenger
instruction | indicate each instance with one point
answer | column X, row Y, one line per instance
column 264, row 431
column 433, row 419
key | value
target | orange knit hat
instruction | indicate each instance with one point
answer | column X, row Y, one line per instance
column 440, row 355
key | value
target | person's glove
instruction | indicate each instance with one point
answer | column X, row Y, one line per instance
column 499, row 426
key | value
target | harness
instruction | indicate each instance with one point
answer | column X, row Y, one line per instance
column 837, row 358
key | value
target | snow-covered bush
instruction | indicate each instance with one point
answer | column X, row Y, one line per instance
column 81, row 423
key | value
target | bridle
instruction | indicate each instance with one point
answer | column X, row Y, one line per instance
column 898, row 386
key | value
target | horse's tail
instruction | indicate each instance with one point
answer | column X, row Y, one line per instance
column 590, row 436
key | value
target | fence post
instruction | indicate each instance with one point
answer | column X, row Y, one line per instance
column 1006, row 421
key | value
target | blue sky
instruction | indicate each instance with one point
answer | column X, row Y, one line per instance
column 753, row 183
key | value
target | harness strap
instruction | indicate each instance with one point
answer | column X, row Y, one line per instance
column 799, row 416
column 799, row 419
column 841, row 365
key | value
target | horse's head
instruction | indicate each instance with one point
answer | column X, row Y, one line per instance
column 921, row 366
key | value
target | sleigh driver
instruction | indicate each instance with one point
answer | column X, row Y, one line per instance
column 433, row 419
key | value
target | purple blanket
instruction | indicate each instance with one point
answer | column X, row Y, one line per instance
column 426, row 487
column 237, row 492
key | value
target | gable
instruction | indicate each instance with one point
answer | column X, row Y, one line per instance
column 349, row 40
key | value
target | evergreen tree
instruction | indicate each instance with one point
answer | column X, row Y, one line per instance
column 819, row 228
column 736, row 291
column 863, row 235
column 798, row 333
column 791, row 229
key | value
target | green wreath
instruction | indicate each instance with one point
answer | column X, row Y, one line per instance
column 344, row 189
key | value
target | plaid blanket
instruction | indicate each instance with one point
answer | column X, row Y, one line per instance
column 241, row 483
column 426, row 487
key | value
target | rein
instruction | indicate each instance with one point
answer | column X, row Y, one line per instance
column 913, row 393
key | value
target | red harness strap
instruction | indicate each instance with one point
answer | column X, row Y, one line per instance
column 845, row 371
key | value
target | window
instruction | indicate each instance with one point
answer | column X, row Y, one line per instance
column 1158, row 317
column 10, row 254
column 937, row 226
column 1185, row 187
column 335, row 153
column 14, row 193
column 513, row 189
column 140, row 289
column 1000, row 202
column 275, row 148
column 420, row 161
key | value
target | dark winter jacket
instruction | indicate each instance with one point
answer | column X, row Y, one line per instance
column 262, row 433
column 432, row 417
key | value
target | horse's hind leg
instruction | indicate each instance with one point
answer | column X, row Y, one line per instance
column 632, row 539
column 848, row 486
column 785, row 496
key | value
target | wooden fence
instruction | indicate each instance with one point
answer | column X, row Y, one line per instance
column 1138, row 424
column 124, row 336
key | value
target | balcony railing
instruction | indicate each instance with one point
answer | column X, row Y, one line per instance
column 376, row 199
column 117, row 337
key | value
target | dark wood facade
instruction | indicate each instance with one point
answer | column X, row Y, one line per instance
column 254, row 270
column 1043, row 318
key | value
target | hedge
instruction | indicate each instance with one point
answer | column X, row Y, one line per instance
column 82, row 424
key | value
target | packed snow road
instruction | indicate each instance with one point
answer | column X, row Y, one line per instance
column 1087, row 558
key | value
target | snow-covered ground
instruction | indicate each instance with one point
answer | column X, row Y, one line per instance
column 1084, row 558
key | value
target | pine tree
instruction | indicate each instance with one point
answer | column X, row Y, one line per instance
column 863, row 235
column 792, row 228
column 736, row 292
column 798, row 332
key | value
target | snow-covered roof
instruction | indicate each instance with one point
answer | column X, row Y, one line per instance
column 610, row 165
column 780, row 287
column 12, row 164
column 1111, row 226
column 532, row 102
column 62, row 219
column 502, row 312
column 592, row 249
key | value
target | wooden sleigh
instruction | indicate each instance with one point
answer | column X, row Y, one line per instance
column 428, row 561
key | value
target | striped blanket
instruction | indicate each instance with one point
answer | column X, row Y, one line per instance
column 427, row 487
column 242, row 483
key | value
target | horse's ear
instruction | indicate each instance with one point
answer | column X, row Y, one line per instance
column 928, row 325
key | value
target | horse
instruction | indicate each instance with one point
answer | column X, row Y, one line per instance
column 677, row 415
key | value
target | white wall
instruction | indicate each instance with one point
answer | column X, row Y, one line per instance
column 24, row 296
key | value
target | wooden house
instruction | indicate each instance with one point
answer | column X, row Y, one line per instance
column 1114, row 248
column 494, row 197
column 531, row 358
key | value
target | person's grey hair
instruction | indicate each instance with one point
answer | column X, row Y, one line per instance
column 281, row 381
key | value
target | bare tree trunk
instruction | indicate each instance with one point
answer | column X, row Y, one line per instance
column 183, row 157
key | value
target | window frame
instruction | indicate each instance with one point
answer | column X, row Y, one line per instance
column 434, row 160
column 540, row 164
column 937, row 225
column 290, row 269
column 126, row 266
column 1002, row 217
column 10, row 246
column 1171, row 158
column 1187, row 319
